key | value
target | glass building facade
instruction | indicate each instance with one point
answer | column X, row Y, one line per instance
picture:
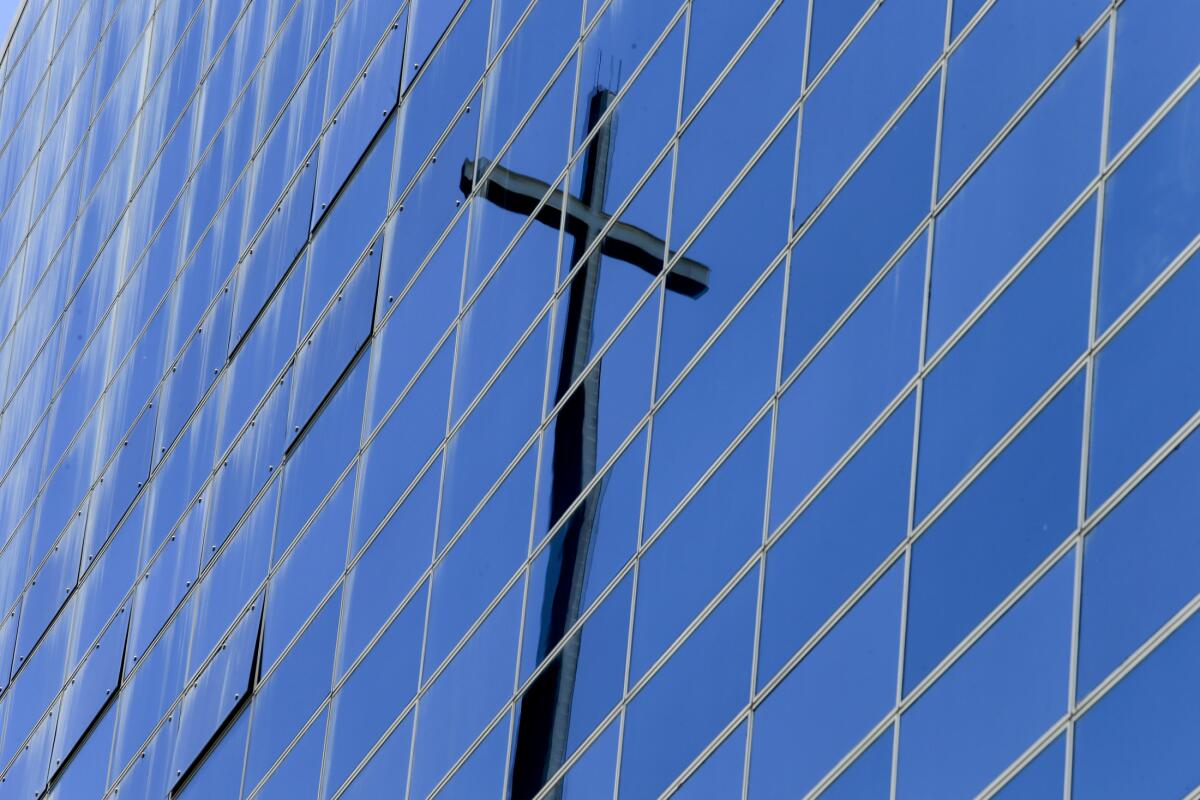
column 599, row 399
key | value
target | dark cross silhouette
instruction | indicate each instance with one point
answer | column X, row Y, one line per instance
column 546, row 707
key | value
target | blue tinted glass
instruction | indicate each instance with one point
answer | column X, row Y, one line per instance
column 388, row 568
column 597, row 538
column 426, row 210
column 716, row 30
column 721, row 773
column 1011, row 50
column 374, row 695
column 1041, row 778
column 700, row 550
column 477, row 564
column 1142, row 391
column 307, row 572
column 593, row 775
column 964, row 11
column 1018, row 192
column 1012, row 354
column 84, row 775
column 691, row 698
column 870, row 775
column 1140, row 549
column 837, row 256
column 467, row 694
column 90, row 688
column 1015, row 513
column 479, row 450
column 863, row 87
column 1147, row 209
column 852, row 379
column 387, row 769
column 1153, row 54
column 404, row 443
column 236, row 572
column 733, row 250
column 757, row 92
column 833, row 697
column 836, row 542
column 370, row 99
column 319, row 456
column 220, row 687
column 482, row 774
column 298, row 772
column 420, row 321
column 347, row 230
column 332, row 345
column 503, row 310
column 1139, row 738
column 832, row 20
column 442, row 87
column 292, row 692
column 689, row 431
column 571, row 695
column 995, row 700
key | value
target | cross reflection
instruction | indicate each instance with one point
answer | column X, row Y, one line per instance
column 541, row 738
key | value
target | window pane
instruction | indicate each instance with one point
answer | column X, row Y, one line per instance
column 862, row 89
column 851, row 380
column 995, row 700
column 870, row 775
column 1026, row 182
column 1004, row 363
column 756, row 93
column 1006, row 56
column 691, row 698
column 1003, row 525
column 1140, row 738
column 1148, row 205
column 721, row 773
column 1143, row 390
column 1139, row 564
column 1153, row 54
column 690, row 429
column 837, row 256
column 700, row 550
column 835, row 544
column 1040, row 779
column 832, row 698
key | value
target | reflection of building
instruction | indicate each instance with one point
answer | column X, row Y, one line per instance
column 339, row 457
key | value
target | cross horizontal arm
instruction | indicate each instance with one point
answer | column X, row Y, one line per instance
column 521, row 194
